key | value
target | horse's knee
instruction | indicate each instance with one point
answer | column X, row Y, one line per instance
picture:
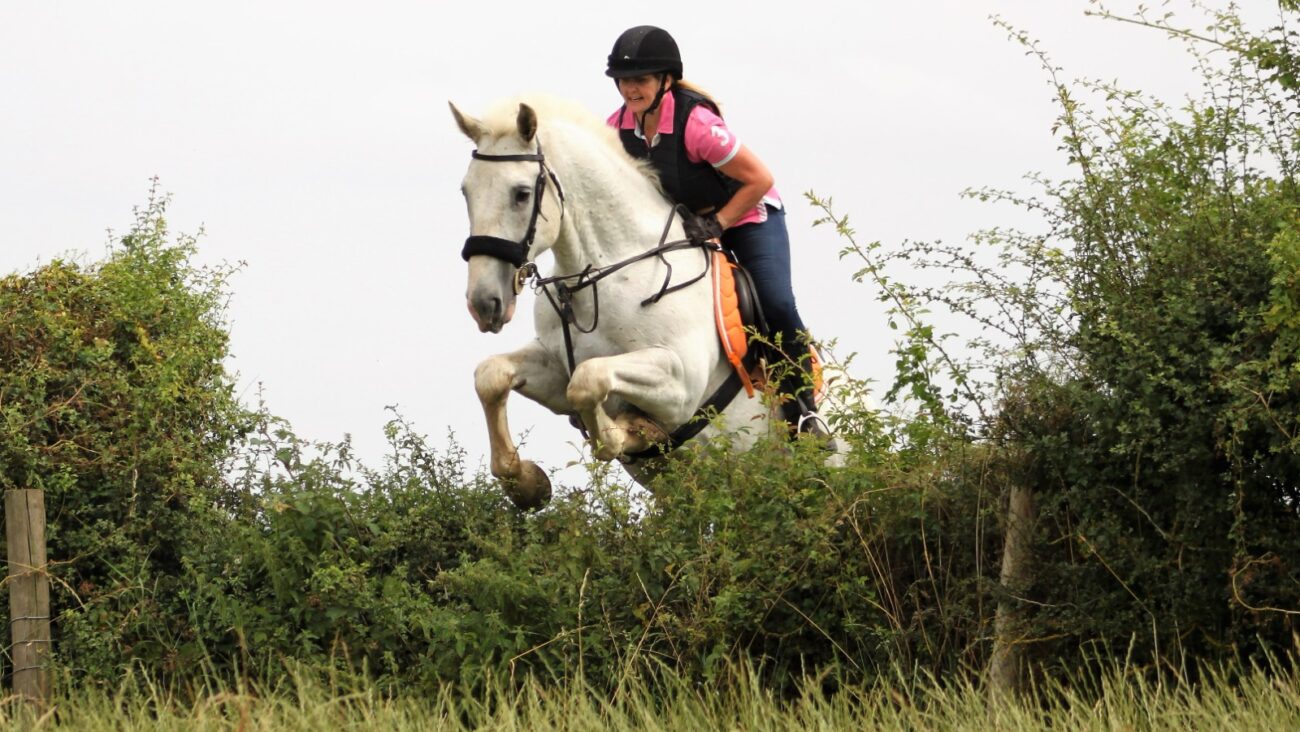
column 589, row 386
column 493, row 378
column 642, row 432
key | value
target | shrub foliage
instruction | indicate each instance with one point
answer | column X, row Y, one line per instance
column 1143, row 380
column 115, row 402
column 1165, row 450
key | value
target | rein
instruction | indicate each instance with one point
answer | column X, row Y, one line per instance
column 562, row 303
column 562, row 300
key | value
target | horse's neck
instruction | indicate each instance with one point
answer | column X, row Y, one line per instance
column 613, row 212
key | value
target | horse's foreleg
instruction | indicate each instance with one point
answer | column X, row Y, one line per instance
column 531, row 371
column 649, row 379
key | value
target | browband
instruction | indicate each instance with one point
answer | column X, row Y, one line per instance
column 520, row 158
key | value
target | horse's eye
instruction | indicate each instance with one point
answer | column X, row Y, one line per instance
column 522, row 195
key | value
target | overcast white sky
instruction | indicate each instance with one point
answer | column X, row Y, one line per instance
column 312, row 141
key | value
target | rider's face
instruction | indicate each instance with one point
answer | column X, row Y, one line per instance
column 639, row 92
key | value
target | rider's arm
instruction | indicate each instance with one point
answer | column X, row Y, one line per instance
column 709, row 139
column 755, row 181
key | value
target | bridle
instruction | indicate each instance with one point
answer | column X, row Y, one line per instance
column 517, row 252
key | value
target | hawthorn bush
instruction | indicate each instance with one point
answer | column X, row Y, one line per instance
column 115, row 402
column 1138, row 368
column 190, row 536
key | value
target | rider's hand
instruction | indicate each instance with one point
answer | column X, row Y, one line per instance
column 702, row 228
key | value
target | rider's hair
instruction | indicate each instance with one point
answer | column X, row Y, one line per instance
column 688, row 86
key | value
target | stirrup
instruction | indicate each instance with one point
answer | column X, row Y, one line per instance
column 810, row 422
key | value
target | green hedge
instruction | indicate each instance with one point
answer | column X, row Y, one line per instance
column 114, row 401
column 190, row 536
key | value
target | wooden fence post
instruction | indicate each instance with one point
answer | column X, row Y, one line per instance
column 1007, row 664
column 29, row 592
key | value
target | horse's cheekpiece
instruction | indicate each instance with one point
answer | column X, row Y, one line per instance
column 516, row 252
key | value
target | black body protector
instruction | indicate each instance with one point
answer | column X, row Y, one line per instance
column 699, row 186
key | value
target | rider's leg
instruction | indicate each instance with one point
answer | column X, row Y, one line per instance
column 763, row 249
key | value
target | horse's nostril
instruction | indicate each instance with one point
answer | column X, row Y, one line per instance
column 488, row 307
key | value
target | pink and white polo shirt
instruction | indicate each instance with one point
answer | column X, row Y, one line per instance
column 707, row 138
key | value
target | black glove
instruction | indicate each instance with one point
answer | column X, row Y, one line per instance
column 702, row 228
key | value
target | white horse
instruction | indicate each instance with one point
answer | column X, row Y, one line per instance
column 549, row 176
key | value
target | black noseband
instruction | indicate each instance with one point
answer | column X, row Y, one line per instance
column 515, row 252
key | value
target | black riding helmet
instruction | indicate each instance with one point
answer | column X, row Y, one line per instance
column 642, row 50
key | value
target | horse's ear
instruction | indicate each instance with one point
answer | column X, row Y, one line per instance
column 472, row 128
column 527, row 122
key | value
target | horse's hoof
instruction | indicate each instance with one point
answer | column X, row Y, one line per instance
column 606, row 451
column 531, row 490
column 642, row 434
column 606, row 444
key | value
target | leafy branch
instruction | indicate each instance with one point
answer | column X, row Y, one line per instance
column 922, row 354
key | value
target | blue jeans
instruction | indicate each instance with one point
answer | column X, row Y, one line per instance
column 763, row 249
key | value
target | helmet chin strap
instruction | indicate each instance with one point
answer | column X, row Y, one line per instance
column 659, row 96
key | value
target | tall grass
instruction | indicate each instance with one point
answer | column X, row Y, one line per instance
column 1232, row 698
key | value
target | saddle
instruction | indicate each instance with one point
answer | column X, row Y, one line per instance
column 736, row 311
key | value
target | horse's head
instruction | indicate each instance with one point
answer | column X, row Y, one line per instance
column 515, row 208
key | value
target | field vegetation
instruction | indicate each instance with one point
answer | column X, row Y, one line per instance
column 1261, row 699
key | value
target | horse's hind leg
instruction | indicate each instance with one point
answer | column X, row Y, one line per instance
column 649, row 379
column 532, row 372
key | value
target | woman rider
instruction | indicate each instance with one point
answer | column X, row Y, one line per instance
column 702, row 165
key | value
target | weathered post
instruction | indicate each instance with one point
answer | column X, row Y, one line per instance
column 29, row 592
column 1007, row 665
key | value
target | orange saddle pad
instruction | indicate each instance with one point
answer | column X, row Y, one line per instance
column 731, row 325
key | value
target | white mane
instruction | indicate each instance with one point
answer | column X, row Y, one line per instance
column 499, row 120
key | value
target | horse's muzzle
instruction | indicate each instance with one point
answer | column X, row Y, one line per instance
column 491, row 292
column 491, row 313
